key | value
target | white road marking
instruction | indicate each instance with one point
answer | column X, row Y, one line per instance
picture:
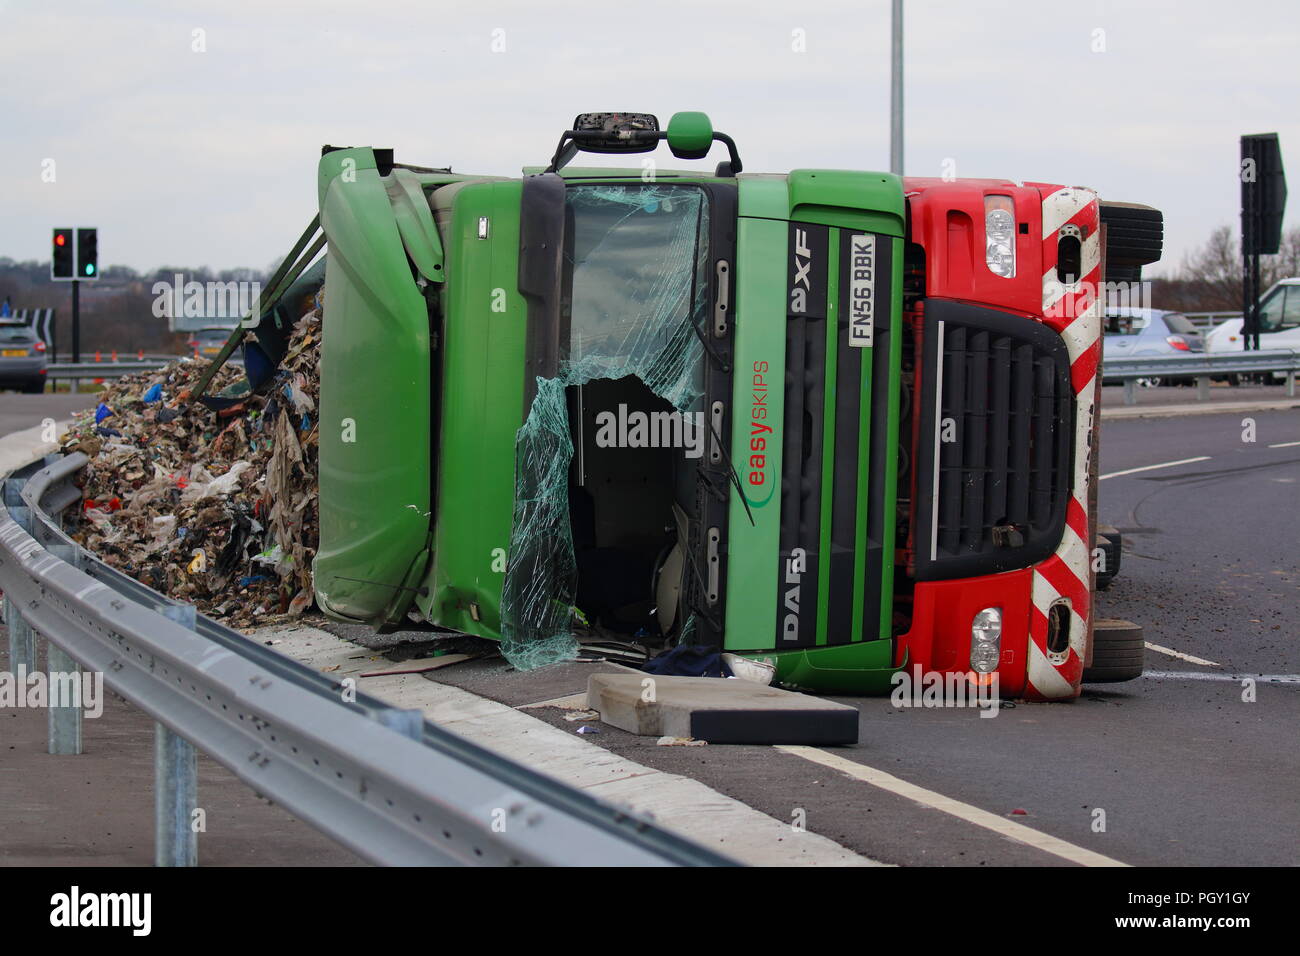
column 1285, row 444
column 1167, row 464
column 1180, row 655
column 963, row 811
column 1234, row 678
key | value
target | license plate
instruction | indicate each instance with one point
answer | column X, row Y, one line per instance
column 14, row 353
column 862, row 291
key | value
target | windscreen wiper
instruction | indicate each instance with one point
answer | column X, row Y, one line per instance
column 731, row 470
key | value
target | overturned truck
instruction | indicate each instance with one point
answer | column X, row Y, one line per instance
column 838, row 421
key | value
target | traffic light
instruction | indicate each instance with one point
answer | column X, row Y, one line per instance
column 87, row 253
column 61, row 262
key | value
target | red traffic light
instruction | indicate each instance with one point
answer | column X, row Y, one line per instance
column 61, row 265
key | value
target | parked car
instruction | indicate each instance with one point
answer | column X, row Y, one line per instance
column 1143, row 333
column 22, row 357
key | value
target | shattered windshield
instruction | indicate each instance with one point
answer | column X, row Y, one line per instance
column 635, row 293
column 634, row 269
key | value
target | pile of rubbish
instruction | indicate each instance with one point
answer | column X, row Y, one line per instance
column 214, row 508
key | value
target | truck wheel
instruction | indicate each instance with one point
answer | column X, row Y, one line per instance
column 1122, row 273
column 1134, row 233
column 1111, row 543
column 1117, row 652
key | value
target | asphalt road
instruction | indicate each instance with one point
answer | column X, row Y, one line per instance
column 19, row 412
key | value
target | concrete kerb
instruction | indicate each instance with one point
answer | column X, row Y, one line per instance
column 1202, row 408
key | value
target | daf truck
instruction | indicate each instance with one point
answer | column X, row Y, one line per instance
column 839, row 421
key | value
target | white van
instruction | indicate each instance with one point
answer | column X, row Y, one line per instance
column 1279, row 322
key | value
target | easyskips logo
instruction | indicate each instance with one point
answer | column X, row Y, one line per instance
column 760, row 432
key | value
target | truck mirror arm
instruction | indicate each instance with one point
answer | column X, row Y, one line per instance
column 574, row 141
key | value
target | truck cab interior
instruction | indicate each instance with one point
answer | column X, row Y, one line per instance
column 633, row 296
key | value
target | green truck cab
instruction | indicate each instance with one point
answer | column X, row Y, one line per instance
column 559, row 400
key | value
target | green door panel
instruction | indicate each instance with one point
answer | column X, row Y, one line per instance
column 756, row 432
column 763, row 196
column 482, row 397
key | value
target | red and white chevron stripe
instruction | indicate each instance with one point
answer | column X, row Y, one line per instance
column 1074, row 311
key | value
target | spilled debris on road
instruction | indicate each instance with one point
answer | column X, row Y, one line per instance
column 214, row 508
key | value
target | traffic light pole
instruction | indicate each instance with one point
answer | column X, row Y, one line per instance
column 76, row 321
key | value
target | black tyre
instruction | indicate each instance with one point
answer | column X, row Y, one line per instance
column 1116, row 272
column 1118, row 652
column 1111, row 543
column 34, row 388
column 1134, row 237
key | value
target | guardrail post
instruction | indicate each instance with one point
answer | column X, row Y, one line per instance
column 1130, row 391
column 63, row 678
column 1290, row 383
column 1203, row 388
column 176, row 781
column 13, row 493
column 176, row 792
column 65, row 722
column 408, row 723
column 22, row 639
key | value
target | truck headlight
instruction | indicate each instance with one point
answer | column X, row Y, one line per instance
column 986, row 640
column 1000, row 235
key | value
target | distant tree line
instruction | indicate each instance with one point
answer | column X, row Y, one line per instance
column 1209, row 278
column 116, row 310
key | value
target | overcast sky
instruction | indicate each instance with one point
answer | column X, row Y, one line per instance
column 208, row 158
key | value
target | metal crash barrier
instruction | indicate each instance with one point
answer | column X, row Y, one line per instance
column 1202, row 367
column 382, row 782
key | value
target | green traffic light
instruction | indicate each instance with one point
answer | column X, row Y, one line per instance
column 90, row 270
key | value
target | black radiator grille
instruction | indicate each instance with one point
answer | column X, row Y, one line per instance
column 1004, row 434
